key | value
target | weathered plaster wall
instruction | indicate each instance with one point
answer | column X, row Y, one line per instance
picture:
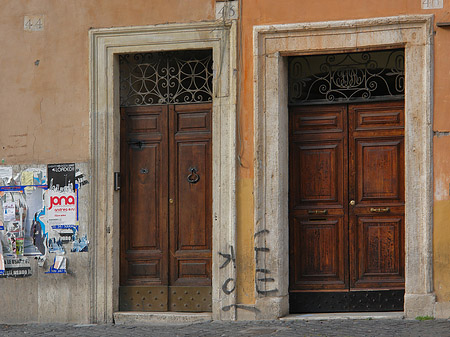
column 45, row 297
column 45, row 119
column 245, row 252
column 263, row 12
column 45, row 104
column 441, row 247
column 442, row 218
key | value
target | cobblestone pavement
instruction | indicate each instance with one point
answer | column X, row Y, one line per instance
column 346, row 328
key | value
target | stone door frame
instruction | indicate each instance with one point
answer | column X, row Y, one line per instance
column 105, row 45
column 272, row 45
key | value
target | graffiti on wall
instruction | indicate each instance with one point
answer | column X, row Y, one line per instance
column 39, row 217
column 229, row 285
column 262, row 274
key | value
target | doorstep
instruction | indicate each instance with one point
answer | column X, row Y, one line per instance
column 344, row 315
column 135, row 317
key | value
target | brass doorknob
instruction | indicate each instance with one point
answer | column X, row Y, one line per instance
column 171, row 201
column 352, row 202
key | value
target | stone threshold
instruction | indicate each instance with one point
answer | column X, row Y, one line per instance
column 135, row 317
column 344, row 315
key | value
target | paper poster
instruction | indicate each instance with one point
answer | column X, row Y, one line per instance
column 2, row 263
column 17, row 266
column 6, row 172
column 59, row 265
column 61, row 208
column 39, row 176
column 35, row 229
column 80, row 245
column 60, row 262
column 61, row 177
column 9, row 211
column 26, row 178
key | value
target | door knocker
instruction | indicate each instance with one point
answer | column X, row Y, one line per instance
column 193, row 177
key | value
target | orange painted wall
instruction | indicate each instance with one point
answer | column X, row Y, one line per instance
column 265, row 12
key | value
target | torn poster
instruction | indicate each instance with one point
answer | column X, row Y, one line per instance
column 59, row 266
column 35, row 229
column 80, row 245
column 61, row 177
column 61, row 208
column 17, row 266
column 26, row 178
column 2, row 263
column 80, row 179
column 6, row 173
column 55, row 246
column 39, row 176
column 14, row 214
column 9, row 211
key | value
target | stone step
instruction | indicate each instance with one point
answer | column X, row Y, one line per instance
column 134, row 317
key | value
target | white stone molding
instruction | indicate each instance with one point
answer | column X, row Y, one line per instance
column 272, row 45
column 105, row 45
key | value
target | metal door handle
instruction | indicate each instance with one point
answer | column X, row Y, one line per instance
column 318, row 212
column 193, row 177
column 137, row 143
column 171, row 201
column 380, row 210
column 352, row 202
column 116, row 181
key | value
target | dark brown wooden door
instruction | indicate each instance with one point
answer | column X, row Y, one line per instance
column 346, row 201
column 166, row 205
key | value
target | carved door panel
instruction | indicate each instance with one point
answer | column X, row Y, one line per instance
column 143, row 194
column 166, row 205
column 346, row 206
column 190, row 188
column 377, row 186
column 317, row 203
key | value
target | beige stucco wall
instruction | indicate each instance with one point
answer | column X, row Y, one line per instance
column 45, row 119
column 45, row 107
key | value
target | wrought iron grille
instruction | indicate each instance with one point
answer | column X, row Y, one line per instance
column 166, row 77
column 350, row 77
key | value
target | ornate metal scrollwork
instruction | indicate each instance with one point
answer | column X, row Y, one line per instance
column 193, row 177
column 166, row 78
column 347, row 77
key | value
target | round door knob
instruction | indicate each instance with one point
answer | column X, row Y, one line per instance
column 171, row 201
column 352, row 202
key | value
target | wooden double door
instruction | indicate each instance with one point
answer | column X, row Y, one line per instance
column 166, row 211
column 346, row 207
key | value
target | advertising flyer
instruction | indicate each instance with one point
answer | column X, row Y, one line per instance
column 61, row 208
column 61, row 177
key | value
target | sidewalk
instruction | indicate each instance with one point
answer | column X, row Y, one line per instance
column 279, row 328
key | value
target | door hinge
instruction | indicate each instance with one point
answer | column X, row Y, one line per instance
column 116, row 181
